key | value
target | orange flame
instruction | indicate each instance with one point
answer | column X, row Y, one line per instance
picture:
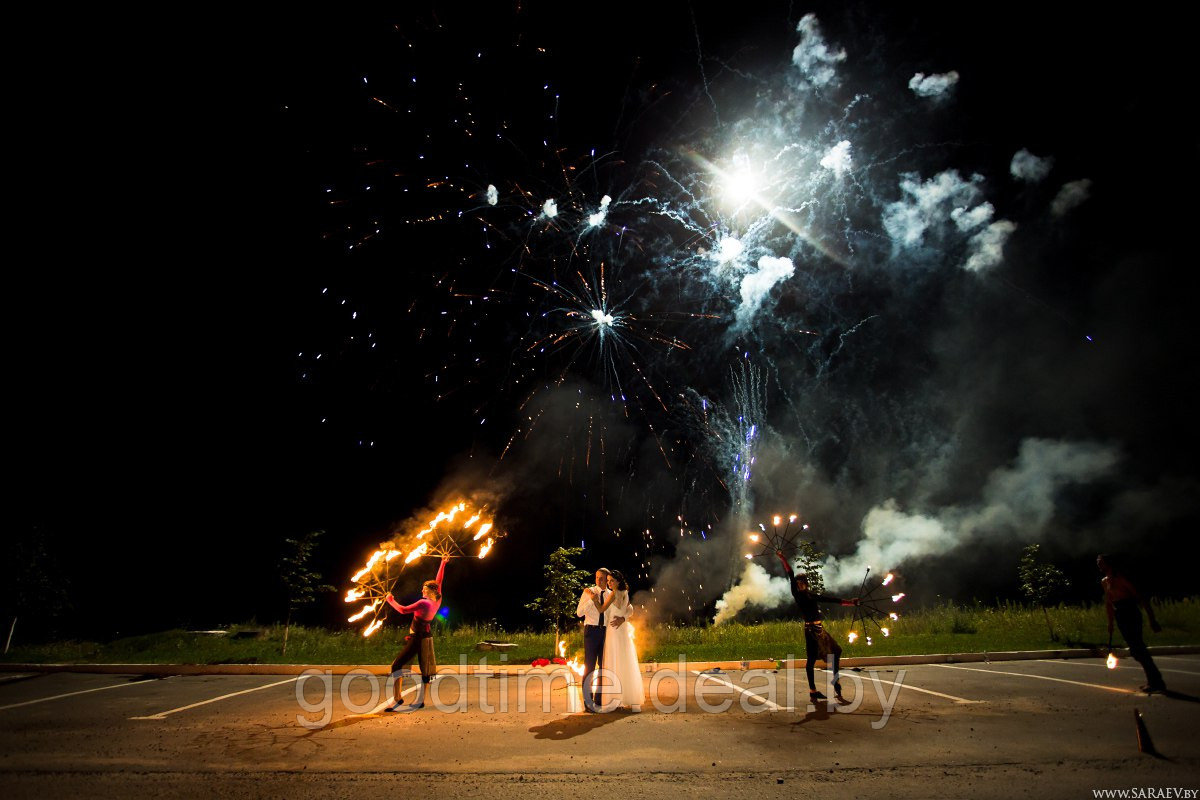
column 792, row 518
column 392, row 554
column 562, row 648
column 367, row 609
column 371, row 562
column 483, row 551
column 776, row 520
column 483, row 529
column 470, row 522
column 852, row 637
column 754, row 537
column 886, row 632
column 354, row 594
column 894, row 615
column 421, row 550
column 374, row 626
column 1111, row 661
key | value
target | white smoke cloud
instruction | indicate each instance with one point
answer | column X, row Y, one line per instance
column 972, row 219
column 1017, row 502
column 598, row 218
column 987, row 246
column 728, row 249
column 493, row 196
column 814, row 56
column 838, row 159
column 1027, row 167
column 1071, row 195
column 754, row 588
column 550, row 208
column 936, row 86
column 927, row 203
column 756, row 285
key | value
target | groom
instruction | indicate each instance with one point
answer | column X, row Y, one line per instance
column 593, row 636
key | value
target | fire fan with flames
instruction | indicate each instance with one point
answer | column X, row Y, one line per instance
column 459, row 531
column 867, row 612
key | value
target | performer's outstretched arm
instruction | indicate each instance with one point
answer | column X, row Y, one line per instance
column 441, row 573
column 825, row 598
column 786, row 564
column 404, row 609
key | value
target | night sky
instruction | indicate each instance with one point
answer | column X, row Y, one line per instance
column 959, row 355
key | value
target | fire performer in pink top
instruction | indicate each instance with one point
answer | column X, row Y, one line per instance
column 419, row 642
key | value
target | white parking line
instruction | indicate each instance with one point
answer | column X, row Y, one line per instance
column 1135, row 665
column 1037, row 677
column 767, row 703
column 81, row 691
column 163, row 714
column 958, row 700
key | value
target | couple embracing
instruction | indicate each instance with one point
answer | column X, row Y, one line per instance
column 609, row 657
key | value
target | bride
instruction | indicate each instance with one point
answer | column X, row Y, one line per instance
column 620, row 657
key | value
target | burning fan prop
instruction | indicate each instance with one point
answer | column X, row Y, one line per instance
column 457, row 532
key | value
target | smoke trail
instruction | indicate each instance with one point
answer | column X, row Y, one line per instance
column 1018, row 501
column 754, row 588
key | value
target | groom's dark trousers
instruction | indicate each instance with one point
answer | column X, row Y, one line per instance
column 593, row 659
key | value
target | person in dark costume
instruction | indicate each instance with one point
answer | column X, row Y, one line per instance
column 817, row 641
column 419, row 642
column 1122, row 600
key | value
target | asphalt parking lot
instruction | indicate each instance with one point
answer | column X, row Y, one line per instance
column 1043, row 728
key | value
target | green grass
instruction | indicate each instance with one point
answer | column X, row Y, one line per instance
column 942, row 629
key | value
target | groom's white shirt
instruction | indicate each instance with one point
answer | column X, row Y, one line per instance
column 587, row 608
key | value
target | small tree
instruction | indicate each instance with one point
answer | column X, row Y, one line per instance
column 1041, row 581
column 564, row 583
column 34, row 589
column 300, row 583
column 808, row 562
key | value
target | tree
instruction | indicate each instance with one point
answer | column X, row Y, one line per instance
column 564, row 584
column 808, row 562
column 300, row 583
column 1041, row 581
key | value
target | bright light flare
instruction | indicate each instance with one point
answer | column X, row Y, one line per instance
column 792, row 518
column 896, row 598
column 852, row 637
column 374, row 626
column 886, row 632
column 487, row 548
column 888, row 579
column 562, row 648
column 754, row 537
column 1111, row 661
column 602, row 317
column 749, row 557
column 483, row 529
column 354, row 594
column 894, row 616
column 777, row 519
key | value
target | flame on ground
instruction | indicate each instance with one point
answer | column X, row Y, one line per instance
column 1111, row 661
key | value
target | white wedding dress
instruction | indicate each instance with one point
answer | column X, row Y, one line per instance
column 620, row 658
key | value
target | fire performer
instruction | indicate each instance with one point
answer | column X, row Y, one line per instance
column 1121, row 600
column 591, row 608
column 817, row 641
column 419, row 642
